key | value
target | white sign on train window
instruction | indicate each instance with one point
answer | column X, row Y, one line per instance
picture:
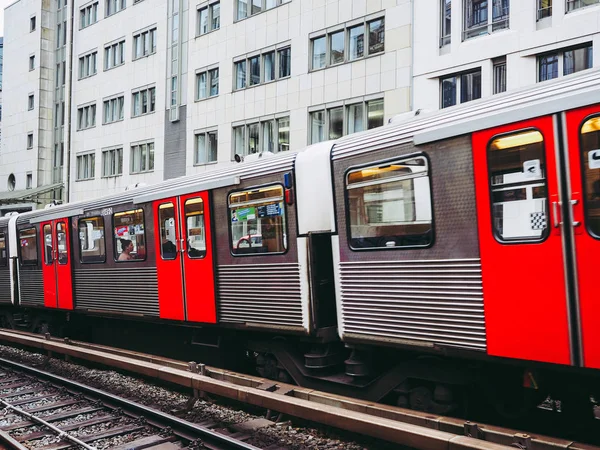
column 532, row 168
column 594, row 159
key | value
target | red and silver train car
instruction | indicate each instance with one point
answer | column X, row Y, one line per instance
column 427, row 262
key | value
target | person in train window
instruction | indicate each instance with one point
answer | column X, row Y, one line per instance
column 169, row 250
column 127, row 247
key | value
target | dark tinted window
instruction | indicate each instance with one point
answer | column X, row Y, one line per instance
column 28, row 246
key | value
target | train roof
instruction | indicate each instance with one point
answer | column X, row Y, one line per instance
column 545, row 98
column 227, row 176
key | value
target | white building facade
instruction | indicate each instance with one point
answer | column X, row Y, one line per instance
column 479, row 48
column 160, row 89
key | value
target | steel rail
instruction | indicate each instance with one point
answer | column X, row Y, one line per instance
column 182, row 428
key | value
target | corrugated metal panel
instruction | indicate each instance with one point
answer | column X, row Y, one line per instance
column 175, row 144
column 440, row 302
column 266, row 294
column 269, row 165
column 4, row 285
column 543, row 98
column 127, row 290
column 31, row 286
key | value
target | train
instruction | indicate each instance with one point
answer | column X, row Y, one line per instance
column 441, row 259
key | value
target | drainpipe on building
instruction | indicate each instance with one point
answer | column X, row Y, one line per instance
column 412, row 52
column 68, row 108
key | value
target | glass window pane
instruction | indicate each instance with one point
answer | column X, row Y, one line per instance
column 516, row 166
column 577, row 59
column 3, row 255
column 201, row 148
column 239, row 134
column 242, row 9
column 336, row 48
column 61, row 242
column 376, row 36
column 28, row 246
column 196, row 236
column 212, row 146
column 256, row 6
column 214, row 82
column 257, row 220
column 254, row 70
column 357, row 42
column 317, row 127
column 590, row 143
column 285, row 62
column 336, row 122
column 168, row 237
column 448, row 92
column 283, row 130
column 268, row 138
column 446, row 22
column 374, row 113
column 356, row 118
column 269, row 66
column 319, row 51
column 48, row 245
column 201, row 85
column 253, row 138
column 216, row 16
column 203, row 21
column 240, row 71
column 390, row 206
column 470, row 86
column 129, row 235
column 548, row 67
column 499, row 78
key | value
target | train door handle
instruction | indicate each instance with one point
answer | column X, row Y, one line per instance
column 182, row 249
column 574, row 202
column 555, row 214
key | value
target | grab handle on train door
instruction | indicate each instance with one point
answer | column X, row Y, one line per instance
column 576, row 212
column 556, row 216
column 182, row 249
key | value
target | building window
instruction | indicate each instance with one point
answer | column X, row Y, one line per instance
column 142, row 157
column 91, row 240
column 143, row 101
column 29, row 141
column 86, row 166
column 499, row 66
column 31, row 62
column 247, row 8
column 351, row 117
column 207, row 83
column 114, row 6
column 446, row 22
column 129, row 235
column 262, row 68
column 484, row 17
column 271, row 135
column 460, row 88
column 29, row 180
column 258, row 222
column 206, row 147
column 390, row 214
column 30, row 102
column 88, row 15
column 88, row 65
column 544, row 9
column 209, row 18
column 565, row 62
column 572, row 5
column 144, row 43
column 114, row 55
column 86, row 117
column 112, row 162
column 113, row 109
column 32, row 24
column 330, row 49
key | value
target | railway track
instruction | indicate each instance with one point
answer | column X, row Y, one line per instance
column 417, row 430
column 47, row 412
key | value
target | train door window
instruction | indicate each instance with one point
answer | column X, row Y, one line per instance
column 590, row 158
column 129, row 235
column 61, row 243
column 91, row 240
column 389, row 205
column 517, row 176
column 258, row 222
column 194, row 219
column 28, row 247
column 48, row 245
column 168, row 239
column 3, row 256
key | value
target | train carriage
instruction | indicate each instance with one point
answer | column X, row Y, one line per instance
column 6, row 266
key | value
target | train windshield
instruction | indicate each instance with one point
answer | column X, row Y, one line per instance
column 257, row 219
column 517, row 171
column 590, row 155
column 389, row 205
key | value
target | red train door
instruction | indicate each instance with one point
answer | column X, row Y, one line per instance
column 522, row 261
column 56, row 265
column 583, row 143
column 184, row 258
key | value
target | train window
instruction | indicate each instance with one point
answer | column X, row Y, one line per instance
column 48, row 245
column 130, row 235
column 389, row 205
column 61, row 243
column 168, row 239
column 3, row 255
column 257, row 218
column 590, row 156
column 28, row 247
column 194, row 219
column 519, row 201
column 91, row 240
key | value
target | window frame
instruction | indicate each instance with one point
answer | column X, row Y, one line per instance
column 4, row 236
column 491, row 25
column 584, row 189
column 30, row 102
column 378, row 163
column 568, row 2
column 115, row 240
column 108, row 151
column 244, row 60
column 263, row 8
column 209, row 78
column 110, row 51
column 543, row 13
column 79, row 239
column 109, row 101
column 518, row 241
column 150, row 91
column 458, row 76
column 445, row 35
column 29, row 262
column 560, row 56
column 286, row 230
column 499, row 80
column 32, row 23
column 120, row 5
column 206, row 132
column 151, row 32
column 88, row 12
column 91, row 168
column 29, row 147
column 31, row 62
column 260, row 122
column 84, row 62
column 209, row 8
column 84, row 112
column 137, row 146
